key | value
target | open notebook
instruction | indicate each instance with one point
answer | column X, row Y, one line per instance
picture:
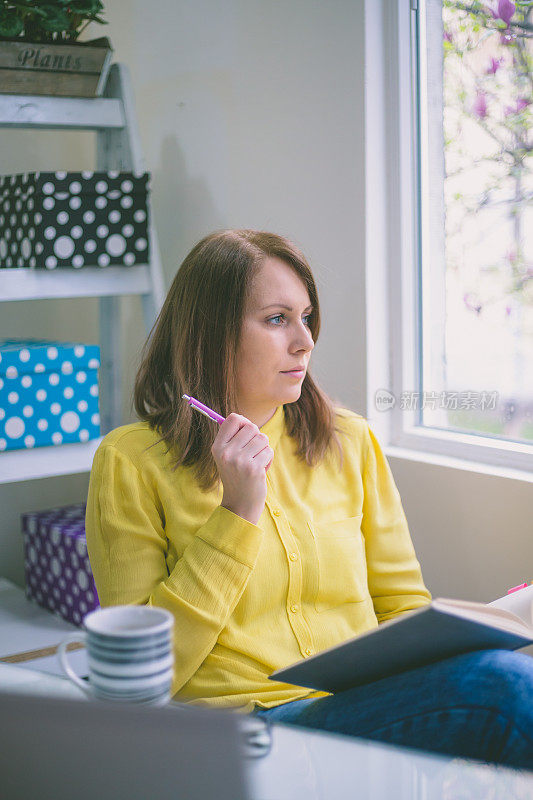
column 442, row 629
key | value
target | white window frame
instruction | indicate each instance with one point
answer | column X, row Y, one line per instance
column 392, row 264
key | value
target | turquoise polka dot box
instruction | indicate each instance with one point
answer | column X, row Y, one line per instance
column 48, row 393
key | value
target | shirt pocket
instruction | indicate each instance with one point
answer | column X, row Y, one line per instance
column 342, row 574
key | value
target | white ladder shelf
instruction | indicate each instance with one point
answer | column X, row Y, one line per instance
column 118, row 147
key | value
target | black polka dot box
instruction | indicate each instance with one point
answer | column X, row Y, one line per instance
column 48, row 393
column 74, row 219
column 58, row 574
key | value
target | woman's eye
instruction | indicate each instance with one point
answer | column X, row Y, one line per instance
column 282, row 316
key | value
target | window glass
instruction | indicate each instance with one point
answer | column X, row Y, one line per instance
column 476, row 217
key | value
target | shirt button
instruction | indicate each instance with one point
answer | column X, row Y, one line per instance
column 308, row 651
column 294, row 607
column 276, row 512
column 293, row 556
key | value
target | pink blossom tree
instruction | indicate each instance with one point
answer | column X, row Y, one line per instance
column 488, row 76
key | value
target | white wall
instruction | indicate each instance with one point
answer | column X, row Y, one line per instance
column 252, row 114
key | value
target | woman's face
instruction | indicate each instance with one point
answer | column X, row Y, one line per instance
column 274, row 340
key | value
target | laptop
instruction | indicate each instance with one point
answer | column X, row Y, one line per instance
column 60, row 748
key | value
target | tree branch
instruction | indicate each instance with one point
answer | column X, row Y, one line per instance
column 478, row 12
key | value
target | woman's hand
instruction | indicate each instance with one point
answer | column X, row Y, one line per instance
column 242, row 455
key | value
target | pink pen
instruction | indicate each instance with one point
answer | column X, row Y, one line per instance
column 208, row 412
column 516, row 588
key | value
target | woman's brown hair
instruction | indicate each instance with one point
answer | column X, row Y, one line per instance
column 192, row 346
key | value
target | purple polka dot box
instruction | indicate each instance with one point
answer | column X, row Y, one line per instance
column 48, row 393
column 74, row 219
column 57, row 569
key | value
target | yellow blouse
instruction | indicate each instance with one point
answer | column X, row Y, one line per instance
column 330, row 557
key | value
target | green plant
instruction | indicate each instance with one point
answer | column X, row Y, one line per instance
column 52, row 21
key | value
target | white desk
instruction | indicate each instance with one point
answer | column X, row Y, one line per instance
column 25, row 627
column 299, row 763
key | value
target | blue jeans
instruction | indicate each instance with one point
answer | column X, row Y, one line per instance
column 477, row 705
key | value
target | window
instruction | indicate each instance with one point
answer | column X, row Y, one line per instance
column 462, row 371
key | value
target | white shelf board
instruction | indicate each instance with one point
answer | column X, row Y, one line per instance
column 81, row 113
column 47, row 462
column 37, row 284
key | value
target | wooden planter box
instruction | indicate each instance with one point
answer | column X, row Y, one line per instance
column 77, row 69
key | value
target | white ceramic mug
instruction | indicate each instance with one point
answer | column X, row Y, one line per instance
column 129, row 654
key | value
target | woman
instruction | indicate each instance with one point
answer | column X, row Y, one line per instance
column 280, row 532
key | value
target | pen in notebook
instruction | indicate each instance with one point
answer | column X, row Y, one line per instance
column 208, row 412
